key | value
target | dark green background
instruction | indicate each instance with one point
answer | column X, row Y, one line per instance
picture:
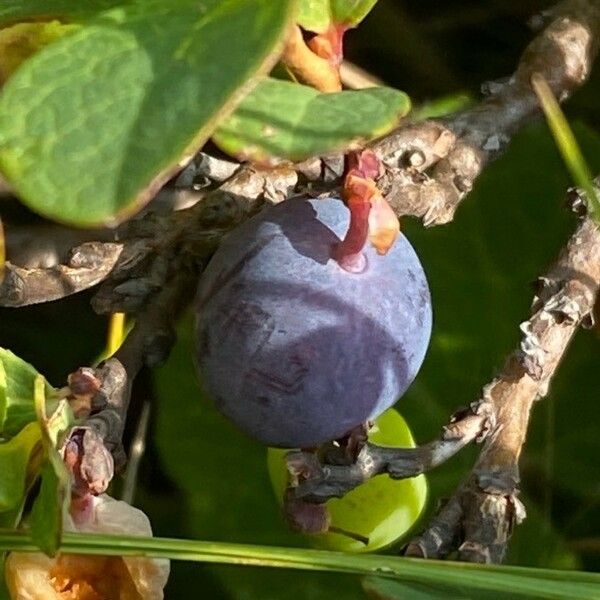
column 202, row 479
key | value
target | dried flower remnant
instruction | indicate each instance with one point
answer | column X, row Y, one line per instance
column 371, row 218
column 79, row 577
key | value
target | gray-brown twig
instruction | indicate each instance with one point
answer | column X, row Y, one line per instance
column 317, row 482
column 433, row 165
column 148, row 344
column 478, row 520
column 88, row 265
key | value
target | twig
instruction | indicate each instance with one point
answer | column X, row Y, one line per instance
column 445, row 157
column 318, row 482
column 148, row 344
column 88, row 265
column 488, row 501
column 48, row 244
column 479, row 519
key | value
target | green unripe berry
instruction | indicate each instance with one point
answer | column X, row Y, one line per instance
column 382, row 509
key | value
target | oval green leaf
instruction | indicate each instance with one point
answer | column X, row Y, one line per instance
column 47, row 510
column 350, row 12
column 92, row 125
column 14, row 458
column 53, row 498
column 17, row 383
column 319, row 15
column 314, row 15
column 280, row 120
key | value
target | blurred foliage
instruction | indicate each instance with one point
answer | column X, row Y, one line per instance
column 201, row 478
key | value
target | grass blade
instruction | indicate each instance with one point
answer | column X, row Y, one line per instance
column 116, row 333
column 525, row 582
column 567, row 144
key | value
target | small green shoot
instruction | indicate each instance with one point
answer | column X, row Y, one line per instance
column 116, row 332
column 566, row 143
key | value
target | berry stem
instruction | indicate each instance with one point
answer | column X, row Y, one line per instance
column 358, row 191
column 350, row 534
column 349, row 252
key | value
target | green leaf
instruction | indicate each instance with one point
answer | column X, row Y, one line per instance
column 350, row 12
column 378, row 588
column 93, row 124
column 17, row 406
column 22, row 40
column 14, row 461
column 283, row 120
column 314, row 15
column 47, row 512
column 319, row 15
column 53, row 499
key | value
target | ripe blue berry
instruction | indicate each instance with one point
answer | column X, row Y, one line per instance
column 293, row 348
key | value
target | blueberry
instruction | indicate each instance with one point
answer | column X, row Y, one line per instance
column 296, row 350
